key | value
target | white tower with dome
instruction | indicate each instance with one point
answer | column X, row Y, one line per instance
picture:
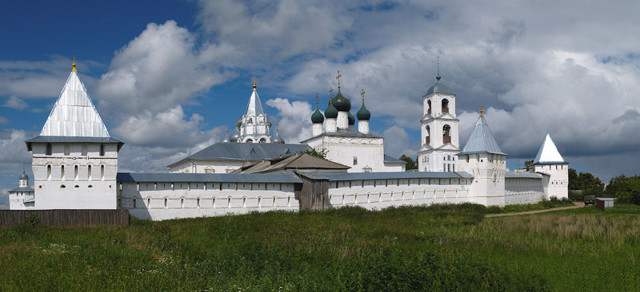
column 439, row 130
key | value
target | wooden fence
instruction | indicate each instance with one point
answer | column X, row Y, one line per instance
column 64, row 217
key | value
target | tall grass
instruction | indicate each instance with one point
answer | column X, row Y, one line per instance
column 440, row 247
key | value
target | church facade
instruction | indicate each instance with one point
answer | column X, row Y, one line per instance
column 75, row 166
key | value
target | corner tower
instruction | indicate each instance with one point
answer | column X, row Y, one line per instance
column 439, row 130
column 549, row 161
column 482, row 158
column 75, row 161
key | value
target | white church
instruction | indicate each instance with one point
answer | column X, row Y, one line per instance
column 75, row 165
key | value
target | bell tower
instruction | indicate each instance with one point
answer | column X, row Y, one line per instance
column 439, row 130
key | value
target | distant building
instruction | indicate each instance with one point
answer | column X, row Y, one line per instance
column 22, row 197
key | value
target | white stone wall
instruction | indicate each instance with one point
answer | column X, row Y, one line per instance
column 75, row 176
column 378, row 194
column 17, row 201
column 524, row 190
column 171, row 200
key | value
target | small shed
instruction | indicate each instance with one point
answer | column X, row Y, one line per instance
column 603, row 203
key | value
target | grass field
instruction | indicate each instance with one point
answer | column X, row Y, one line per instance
column 441, row 247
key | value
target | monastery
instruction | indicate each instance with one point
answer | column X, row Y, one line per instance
column 75, row 165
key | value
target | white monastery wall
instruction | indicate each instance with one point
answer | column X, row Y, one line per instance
column 167, row 200
column 524, row 190
column 382, row 193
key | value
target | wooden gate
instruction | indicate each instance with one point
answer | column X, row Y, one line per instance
column 314, row 194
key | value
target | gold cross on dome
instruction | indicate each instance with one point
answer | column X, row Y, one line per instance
column 481, row 109
column 362, row 93
column 338, row 78
column 317, row 100
column 330, row 92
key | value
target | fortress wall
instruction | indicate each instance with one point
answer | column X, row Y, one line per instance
column 524, row 190
column 167, row 200
column 379, row 194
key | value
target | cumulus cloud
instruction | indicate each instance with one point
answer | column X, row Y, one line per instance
column 157, row 70
column 15, row 103
column 396, row 142
column 294, row 119
column 168, row 129
column 12, row 147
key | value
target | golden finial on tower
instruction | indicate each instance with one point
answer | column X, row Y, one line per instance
column 338, row 78
column 330, row 93
column 254, row 82
column 481, row 109
column 74, row 64
column 362, row 93
column 317, row 96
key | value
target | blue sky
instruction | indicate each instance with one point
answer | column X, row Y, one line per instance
column 168, row 76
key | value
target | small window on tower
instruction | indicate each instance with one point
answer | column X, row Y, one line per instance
column 355, row 160
column 48, row 150
column 101, row 149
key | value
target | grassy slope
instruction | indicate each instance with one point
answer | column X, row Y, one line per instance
column 432, row 248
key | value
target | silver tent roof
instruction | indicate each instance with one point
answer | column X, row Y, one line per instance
column 481, row 140
column 73, row 114
column 548, row 153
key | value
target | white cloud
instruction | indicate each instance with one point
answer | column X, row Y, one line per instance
column 166, row 129
column 15, row 103
column 157, row 70
column 294, row 119
column 12, row 147
column 396, row 143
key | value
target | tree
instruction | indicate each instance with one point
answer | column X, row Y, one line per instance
column 411, row 164
column 320, row 154
column 528, row 164
column 625, row 189
column 584, row 181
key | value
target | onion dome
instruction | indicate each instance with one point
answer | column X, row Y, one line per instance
column 341, row 103
column 235, row 136
column 352, row 120
column 226, row 138
column 276, row 138
column 317, row 117
column 331, row 112
column 363, row 114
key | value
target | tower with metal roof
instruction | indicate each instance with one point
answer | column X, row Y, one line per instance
column 254, row 125
column 482, row 158
column 439, row 129
column 548, row 161
column 75, row 161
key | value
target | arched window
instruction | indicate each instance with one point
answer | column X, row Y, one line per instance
column 429, row 104
column 250, row 121
column 249, row 141
column 62, row 172
column 355, row 160
column 445, row 105
column 428, row 137
column 48, row 172
column 263, row 140
column 89, row 172
column 446, row 136
column 102, row 172
column 75, row 172
column 101, row 149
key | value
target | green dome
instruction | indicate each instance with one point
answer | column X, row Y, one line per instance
column 331, row 112
column 352, row 120
column 317, row 117
column 341, row 103
column 363, row 114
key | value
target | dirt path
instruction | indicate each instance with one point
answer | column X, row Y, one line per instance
column 575, row 205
